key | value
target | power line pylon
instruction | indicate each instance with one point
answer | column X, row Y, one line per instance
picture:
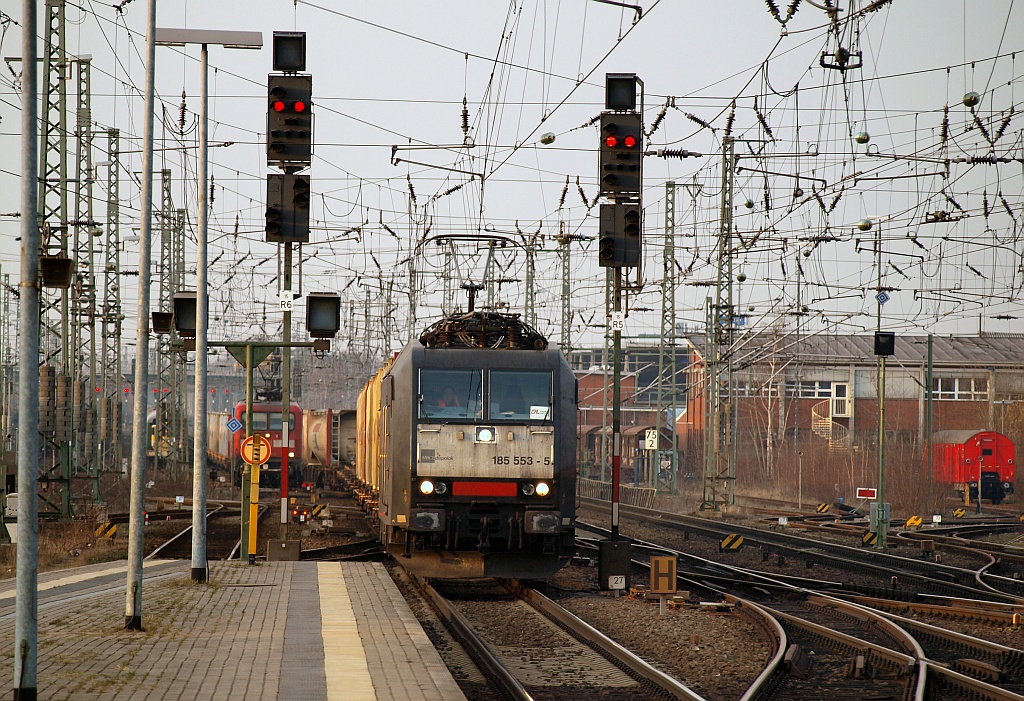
column 84, row 436
column 110, row 412
column 55, row 370
column 667, row 389
column 720, row 419
column 163, row 440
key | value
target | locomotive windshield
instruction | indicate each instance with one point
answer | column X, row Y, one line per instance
column 520, row 396
column 451, row 394
column 511, row 395
column 264, row 421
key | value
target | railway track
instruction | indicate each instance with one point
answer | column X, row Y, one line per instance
column 923, row 574
column 534, row 649
column 840, row 650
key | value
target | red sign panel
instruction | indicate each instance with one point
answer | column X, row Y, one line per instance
column 867, row 493
column 484, row 489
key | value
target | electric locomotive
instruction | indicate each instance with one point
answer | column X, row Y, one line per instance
column 308, row 442
column 468, row 438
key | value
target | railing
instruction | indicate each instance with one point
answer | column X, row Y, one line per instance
column 628, row 494
column 837, row 435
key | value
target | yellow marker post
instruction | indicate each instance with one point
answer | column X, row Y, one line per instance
column 254, row 506
column 255, row 451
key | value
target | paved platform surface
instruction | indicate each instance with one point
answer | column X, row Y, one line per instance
column 275, row 631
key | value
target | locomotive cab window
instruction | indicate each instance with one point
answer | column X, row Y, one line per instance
column 520, row 396
column 263, row 421
column 451, row 394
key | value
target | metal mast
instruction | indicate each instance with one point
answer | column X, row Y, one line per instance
column 530, row 309
column 565, row 242
column 84, row 290
column 720, row 420
column 179, row 369
column 55, row 380
column 667, row 352
column 163, row 428
column 110, row 412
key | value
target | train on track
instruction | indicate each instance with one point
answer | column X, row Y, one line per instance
column 466, row 450
column 967, row 460
column 315, row 443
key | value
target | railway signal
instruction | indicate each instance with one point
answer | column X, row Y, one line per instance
column 289, row 121
column 619, row 241
column 287, row 208
column 621, row 155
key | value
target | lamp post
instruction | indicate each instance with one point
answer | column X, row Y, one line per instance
column 227, row 39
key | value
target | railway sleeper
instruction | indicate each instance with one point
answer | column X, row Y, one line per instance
column 978, row 670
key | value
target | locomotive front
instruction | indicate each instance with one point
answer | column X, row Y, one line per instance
column 479, row 452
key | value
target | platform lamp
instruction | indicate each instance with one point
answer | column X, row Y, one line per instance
column 185, row 304
column 56, row 271
column 885, row 346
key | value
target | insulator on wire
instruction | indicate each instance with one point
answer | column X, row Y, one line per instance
column 657, row 120
column 212, row 181
column 565, row 192
column 412, row 191
column 1005, row 123
column 944, row 131
column 773, row 9
column 583, row 195
column 694, row 118
column 1006, row 206
column 767, row 199
column 949, row 198
column 835, row 201
column 465, row 117
column 730, row 119
column 981, row 126
column 676, row 153
column 764, row 122
column 181, row 114
column 986, row 210
column 449, row 191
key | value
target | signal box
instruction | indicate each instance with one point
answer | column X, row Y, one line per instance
column 290, row 121
column 620, row 173
column 287, row 208
column 619, row 239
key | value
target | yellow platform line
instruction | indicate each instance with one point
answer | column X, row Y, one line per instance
column 74, row 579
column 348, row 677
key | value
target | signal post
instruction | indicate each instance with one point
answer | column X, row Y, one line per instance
column 620, row 182
column 290, row 148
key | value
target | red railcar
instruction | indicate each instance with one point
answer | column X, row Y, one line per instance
column 223, row 446
column 965, row 459
column 313, row 439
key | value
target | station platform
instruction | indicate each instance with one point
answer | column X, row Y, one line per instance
column 274, row 631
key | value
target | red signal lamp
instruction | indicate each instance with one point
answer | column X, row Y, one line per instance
column 611, row 141
column 629, row 141
column 277, row 105
column 299, row 106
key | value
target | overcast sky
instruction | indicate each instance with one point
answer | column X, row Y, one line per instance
column 390, row 73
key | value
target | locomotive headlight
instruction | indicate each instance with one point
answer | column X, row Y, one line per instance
column 543, row 489
column 291, row 453
column 426, row 487
column 528, row 489
column 441, row 488
column 485, row 434
column 1006, row 485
